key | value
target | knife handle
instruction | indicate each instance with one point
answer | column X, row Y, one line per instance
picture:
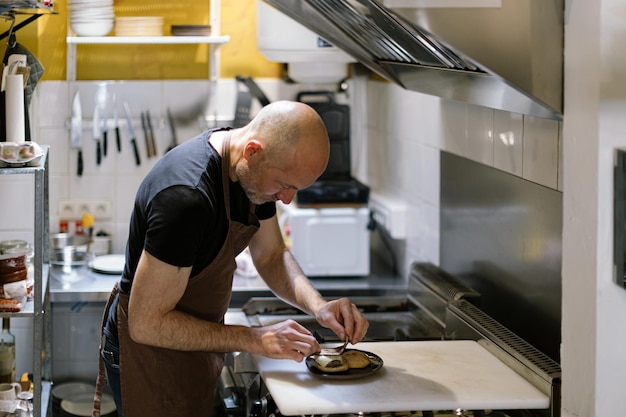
column 117, row 139
column 98, row 153
column 136, row 151
column 105, row 143
column 79, row 165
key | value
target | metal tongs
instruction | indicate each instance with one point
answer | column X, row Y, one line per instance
column 334, row 351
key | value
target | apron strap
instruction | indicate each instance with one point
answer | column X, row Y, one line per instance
column 101, row 380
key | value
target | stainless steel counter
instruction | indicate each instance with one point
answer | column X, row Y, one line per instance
column 84, row 285
column 80, row 285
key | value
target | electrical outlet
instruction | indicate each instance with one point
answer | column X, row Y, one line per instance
column 74, row 209
column 389, row 213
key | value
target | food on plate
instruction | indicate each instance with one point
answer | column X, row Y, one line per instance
column 13, row 154
column 356, row 359
column 9, row 305
column 9, row 150
column 27, row 151
column 330, row 363
column 350, row 359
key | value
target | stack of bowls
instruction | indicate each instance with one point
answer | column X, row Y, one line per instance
column 91, row 17
column 69, row 255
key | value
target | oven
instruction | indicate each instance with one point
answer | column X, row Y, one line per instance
column 437, row 308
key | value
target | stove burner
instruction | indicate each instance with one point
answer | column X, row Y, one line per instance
column 390, row 318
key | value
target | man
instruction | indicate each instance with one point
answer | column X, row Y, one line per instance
column 201, row 205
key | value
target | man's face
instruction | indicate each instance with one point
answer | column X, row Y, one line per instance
column 263, row 184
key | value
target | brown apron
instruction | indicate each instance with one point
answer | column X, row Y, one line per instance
column 163, row 382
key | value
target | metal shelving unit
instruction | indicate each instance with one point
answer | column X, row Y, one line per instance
column 39, row 307
column 9, row 11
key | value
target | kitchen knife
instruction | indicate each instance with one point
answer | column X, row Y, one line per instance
column 76, row 132
column 144, row 127
column 131, row 132
column 105, row 127
column 98, row 112
column 174, row 140
column 153, row 149
column 116, row 125
column 96, row 132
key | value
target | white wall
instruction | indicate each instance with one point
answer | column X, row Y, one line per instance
column 594, row 368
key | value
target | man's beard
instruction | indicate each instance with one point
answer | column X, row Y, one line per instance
column 249, row 182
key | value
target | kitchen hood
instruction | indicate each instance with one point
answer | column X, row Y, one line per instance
column 507, row 55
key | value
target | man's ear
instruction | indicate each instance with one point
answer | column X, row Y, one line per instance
column 253, row 150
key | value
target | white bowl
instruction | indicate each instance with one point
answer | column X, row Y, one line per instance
column 99, row 13
column 99, row 28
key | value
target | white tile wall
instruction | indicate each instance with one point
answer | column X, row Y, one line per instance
column 17, row 205
column 541, row 151
column 480, row 134
column 508, row 142
column 75, row 341
column 22, row 329
column 406, row 131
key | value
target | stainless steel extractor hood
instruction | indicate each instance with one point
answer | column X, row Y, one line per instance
column 507, row 57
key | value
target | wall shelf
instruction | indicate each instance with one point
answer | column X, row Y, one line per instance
column 124, row 40
column 214, row 41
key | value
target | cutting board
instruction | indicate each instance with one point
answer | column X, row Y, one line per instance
column 416, row 376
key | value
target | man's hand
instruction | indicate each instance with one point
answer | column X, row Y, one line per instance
column 343, row 318
column 286, row 340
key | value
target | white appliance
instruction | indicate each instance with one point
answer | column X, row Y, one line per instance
column 310, row 58
column 328, row 241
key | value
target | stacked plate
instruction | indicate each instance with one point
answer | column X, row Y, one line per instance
column 139, row 26
column 91, row 17
column 191, row 30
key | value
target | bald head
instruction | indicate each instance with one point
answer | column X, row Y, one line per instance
column 285, row 148
column 292, row 131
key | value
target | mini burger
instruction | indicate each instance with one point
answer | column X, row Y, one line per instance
column 330, row 363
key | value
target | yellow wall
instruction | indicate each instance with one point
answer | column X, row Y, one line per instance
column 45, row 38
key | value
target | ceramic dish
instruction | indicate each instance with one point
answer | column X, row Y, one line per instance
column 108, row 264
column 376, row 363
column 15, row 155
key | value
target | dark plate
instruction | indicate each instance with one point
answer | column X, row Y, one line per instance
column 376, row 363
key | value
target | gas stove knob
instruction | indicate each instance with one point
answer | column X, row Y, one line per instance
column 265, row 407
column 259, row 408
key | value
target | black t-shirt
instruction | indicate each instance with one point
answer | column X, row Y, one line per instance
column 179, row 215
